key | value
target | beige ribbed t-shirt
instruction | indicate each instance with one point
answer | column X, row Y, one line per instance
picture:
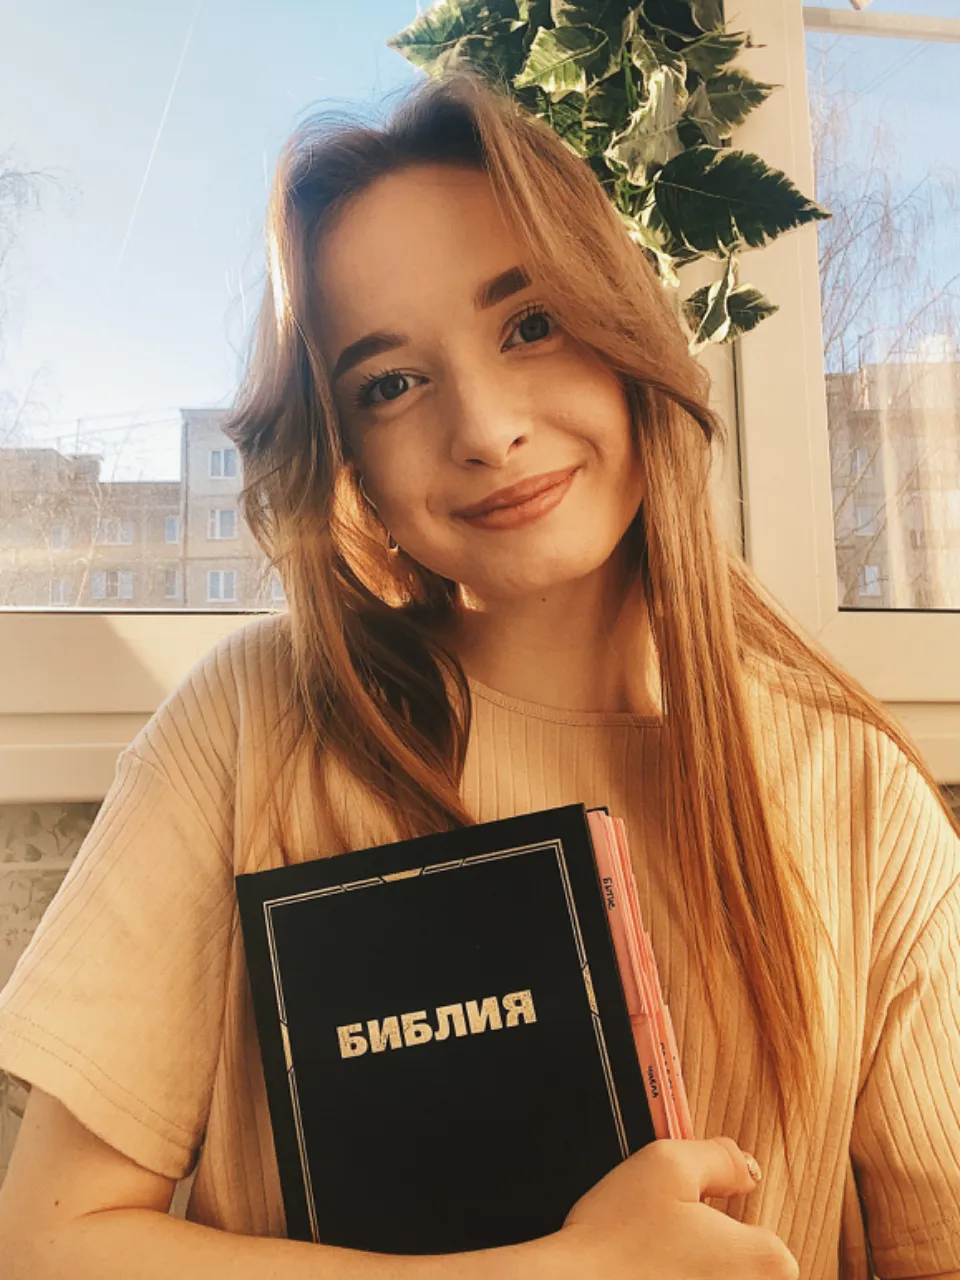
column 131, row 1005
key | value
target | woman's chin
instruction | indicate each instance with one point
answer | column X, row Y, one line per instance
column 516, row 584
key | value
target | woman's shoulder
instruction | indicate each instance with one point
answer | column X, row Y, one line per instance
column 237, row 692
column 806, row 721
column 819, row 740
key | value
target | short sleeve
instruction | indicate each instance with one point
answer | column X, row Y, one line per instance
column 116, row 1006
column 905, row 1143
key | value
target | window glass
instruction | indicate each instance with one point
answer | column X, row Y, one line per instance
column 885, row 118
column 221, row 585
column 138, row 145
column 223, row 463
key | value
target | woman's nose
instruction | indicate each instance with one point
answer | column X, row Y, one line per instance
column 488, row 421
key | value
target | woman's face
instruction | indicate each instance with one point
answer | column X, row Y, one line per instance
column 447, row 397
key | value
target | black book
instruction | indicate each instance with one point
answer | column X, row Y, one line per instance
column 448, row 1055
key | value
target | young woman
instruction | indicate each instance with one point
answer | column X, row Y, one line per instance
column 477, row 448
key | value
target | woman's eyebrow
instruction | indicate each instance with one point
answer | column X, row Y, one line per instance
column 488, row 295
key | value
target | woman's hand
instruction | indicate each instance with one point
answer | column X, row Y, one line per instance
column 645, row 1221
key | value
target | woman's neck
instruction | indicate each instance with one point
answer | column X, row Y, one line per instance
column 580, row 647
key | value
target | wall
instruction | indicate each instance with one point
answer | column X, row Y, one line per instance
column 37, row 844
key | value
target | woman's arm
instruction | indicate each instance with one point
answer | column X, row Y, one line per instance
column 72, row 1206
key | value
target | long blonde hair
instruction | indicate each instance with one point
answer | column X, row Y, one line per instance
column 377, row 692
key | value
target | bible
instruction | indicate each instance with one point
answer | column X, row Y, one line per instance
column 460, row 1033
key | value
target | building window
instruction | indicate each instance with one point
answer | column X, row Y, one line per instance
column 223, row 463
column 865, row 521
column 221, row 584
column 116, row 532
column 868, row 580
column 171, row 529
column 112, row 584
column 277, row 593
column 222, row 523
column 171, row 584
column 863, row 464
column 58, row 537
column 60, row 591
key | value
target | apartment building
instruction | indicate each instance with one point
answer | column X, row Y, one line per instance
column 70, row 538
column 895, row 455
column 222, row 564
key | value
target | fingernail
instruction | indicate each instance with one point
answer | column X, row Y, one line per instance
column 753, row 1168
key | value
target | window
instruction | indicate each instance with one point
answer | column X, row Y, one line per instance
column 865, row 521
column 171, row 583
column 60, row 591
column 135, row 455
column 868, row 580
column 221, row 584
column 58, row 537
column 223, row 463
column 277, row 593
column 121, row 420
column 112, row 584
column 171, row 529
column 863, row 463
column 222, row 523
column 889, row 300
column 115, row 531
column 811, row 393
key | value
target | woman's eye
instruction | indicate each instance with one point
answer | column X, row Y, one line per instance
column 533, row 326
column 382, row 388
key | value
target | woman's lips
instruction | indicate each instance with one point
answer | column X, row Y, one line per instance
column 526, row 510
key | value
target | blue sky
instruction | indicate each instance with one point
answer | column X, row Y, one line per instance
column 129, row 303
column 82, row 93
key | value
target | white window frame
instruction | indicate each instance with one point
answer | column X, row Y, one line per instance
column 166, row 530
column 124, row 584
column 869, row 581
column 864, row 462
column 77, row 684
column 220, row 598
column 218, row 465
column 215, row 524
column 865, row 520
column 112, row 531
column 908, row 659
column 175, row 593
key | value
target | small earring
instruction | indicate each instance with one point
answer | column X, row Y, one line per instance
column 363, row 494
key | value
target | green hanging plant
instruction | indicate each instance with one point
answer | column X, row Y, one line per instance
column 647, row 95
